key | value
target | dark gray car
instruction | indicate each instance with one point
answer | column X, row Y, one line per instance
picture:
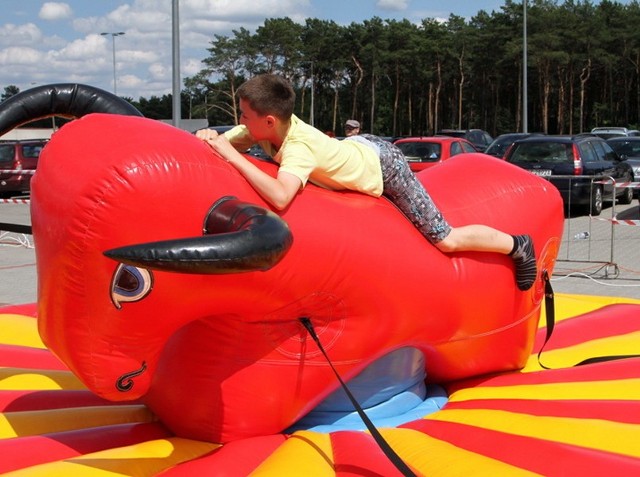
column 499, row 146
column 479, row 138
column 628, row 148
column 581, row 167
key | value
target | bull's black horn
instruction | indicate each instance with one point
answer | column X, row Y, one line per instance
column 69, row 100
column 239, row 237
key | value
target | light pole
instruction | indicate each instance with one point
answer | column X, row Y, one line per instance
column 525, row 98
column 113, row 43
column 176, row 112
column 312, row 119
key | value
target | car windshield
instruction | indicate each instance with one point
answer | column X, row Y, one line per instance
column 6, row 153
column 32, row 151
column 542, row 152
column 498, row 148
column 420, row 151
column 625, row 148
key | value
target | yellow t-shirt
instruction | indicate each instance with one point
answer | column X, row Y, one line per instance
column 309, row 154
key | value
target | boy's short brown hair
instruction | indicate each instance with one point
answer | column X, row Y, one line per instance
column 269, row 94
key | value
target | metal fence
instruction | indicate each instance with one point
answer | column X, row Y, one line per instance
column 605, row 246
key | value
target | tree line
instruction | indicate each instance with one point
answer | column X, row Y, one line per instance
column 403, row 78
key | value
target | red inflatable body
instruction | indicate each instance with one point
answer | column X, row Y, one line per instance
column 220, row 357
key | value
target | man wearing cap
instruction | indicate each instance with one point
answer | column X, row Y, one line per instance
column 351, row 128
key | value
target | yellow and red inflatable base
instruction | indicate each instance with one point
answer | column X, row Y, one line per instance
column 565, row 420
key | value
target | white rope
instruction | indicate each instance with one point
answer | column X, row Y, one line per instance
column 9, row 239
column 599, row 282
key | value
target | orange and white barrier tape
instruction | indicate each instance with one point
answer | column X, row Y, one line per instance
column 620, row 185
column 28, row 172
column 618, row 221
column 15, row 201
column 625, row 185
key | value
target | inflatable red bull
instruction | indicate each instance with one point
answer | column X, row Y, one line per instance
column 178, row 307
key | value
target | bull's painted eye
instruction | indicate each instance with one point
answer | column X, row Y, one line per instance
column 130, row 284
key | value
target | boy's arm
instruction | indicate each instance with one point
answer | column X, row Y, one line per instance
column 278, row 191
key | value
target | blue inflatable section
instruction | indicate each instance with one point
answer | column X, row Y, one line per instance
column 392, row 391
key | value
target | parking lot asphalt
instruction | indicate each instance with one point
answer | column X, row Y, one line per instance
column 606, row 263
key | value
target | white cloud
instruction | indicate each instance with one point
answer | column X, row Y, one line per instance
column 19, row 56
column 55, row 11
column 143, row 55
column 83, row 48
column 20, row 35
column 191, row 66
column 394, row 5
column 235, row 10
column 160, row 71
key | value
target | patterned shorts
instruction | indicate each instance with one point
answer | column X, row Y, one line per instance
column 403, row 188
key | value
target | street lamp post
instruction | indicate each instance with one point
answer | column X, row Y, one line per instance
column 113, row 43
column 525, row 67
column 176, row 103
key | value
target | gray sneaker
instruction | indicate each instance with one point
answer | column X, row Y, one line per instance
column 524, row 258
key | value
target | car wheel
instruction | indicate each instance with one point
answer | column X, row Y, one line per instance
column 596, row 201
column 627, row 196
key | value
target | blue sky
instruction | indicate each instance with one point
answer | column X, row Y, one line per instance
column 49, row 42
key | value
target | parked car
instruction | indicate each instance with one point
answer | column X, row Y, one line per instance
column 257, row 151
column 628, row 148
column 424, row 152
column 479, row 138
column 17, row 156
column 610, row 132
column 222, row 129
column 574, row 164
column 500, row 144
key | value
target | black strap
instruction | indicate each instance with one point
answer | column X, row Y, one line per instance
column 601, row 359
column 16, row 228
column 549, row 305
column 550, row 312
column 384, row 445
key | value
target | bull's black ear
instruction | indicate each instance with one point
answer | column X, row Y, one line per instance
column 240, row 237
column 69, row 100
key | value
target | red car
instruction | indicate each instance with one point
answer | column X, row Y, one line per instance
column 424, row 152
column 16, row 157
